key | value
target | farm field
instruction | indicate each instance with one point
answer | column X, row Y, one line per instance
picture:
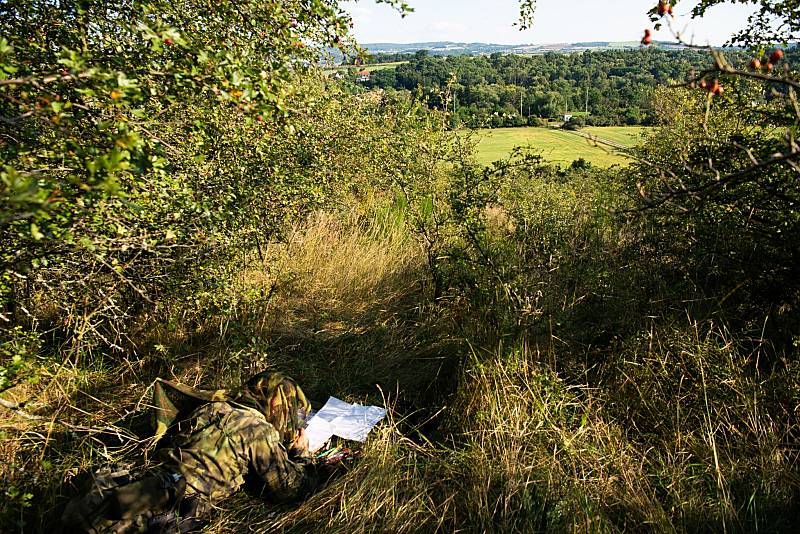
column 624, row 135
column 384, row 66
column 557, row 146
column 369, row 68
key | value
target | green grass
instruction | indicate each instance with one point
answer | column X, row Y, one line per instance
column 369, row 68
column 384, row 66
column 668, row 428
column 557, row 146
column 624, row 135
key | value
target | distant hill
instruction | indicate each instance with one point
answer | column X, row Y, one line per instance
column 448, row 48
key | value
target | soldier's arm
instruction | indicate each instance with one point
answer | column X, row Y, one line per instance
column 283, row 477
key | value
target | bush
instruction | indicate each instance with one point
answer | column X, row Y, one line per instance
column 579, row 164
column 135, row 154
column 575, row 123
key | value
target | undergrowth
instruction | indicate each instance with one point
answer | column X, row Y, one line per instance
column 563, row 380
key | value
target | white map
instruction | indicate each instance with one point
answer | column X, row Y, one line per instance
column 339, row 418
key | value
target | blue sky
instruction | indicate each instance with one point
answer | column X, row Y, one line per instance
column 557, row 21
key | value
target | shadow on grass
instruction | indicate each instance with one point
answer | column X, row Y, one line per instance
column 397, row 351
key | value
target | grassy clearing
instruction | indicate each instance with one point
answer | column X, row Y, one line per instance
column 369, row 68
column 555, row 146
column 341, row 307
column 624, row 135
column 384, row 66
column 667, row 430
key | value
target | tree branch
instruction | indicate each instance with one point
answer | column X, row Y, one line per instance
column 18, row 409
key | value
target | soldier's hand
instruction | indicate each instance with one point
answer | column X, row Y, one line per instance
column 300, row 443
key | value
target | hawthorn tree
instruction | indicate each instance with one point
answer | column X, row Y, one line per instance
column 137, row 151
column 723, row 169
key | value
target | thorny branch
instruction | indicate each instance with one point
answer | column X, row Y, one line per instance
column 714, row 179
column 121, row 433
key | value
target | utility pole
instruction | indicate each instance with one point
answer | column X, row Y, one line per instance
column 455, row 92
column 586, row 109
column 587, row 101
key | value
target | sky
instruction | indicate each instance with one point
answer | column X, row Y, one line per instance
column 556, row 21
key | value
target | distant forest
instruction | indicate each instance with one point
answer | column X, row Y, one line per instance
column 601, row 88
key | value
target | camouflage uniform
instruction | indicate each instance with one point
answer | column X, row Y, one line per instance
column 230, row 435
column 221, row 443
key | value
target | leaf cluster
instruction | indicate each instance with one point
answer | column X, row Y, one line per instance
column 146, row 144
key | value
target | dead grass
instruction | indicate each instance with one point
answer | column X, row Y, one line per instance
column 348, row 270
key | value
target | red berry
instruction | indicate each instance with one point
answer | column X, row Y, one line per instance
column 168, row 41
column 664, row 7
column 769, row 66
column 755, row 64
column 715, row 88
column 648, row 37
column 776, row 55
column 703, row 84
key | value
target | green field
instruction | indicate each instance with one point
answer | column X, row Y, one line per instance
column 624, row 135
column 368, row 68
column 558, row 146
column 384, row 66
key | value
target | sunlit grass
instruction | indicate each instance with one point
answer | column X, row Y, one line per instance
column 557, row 146
column 670, row 430
column 624, row 135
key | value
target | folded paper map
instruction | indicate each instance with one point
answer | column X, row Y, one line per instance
column 339, row 418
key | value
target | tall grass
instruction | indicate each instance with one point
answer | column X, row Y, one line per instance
column 568, row 387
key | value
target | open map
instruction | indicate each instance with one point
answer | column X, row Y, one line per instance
column 340, row 418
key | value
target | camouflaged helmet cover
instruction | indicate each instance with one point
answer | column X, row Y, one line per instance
column 278, row 397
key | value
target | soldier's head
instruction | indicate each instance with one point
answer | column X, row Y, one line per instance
column 280, row 399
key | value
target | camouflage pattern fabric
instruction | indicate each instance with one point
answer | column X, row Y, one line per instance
column 119, row 502
column 173, row 401
column 279, row 398
column 222, row 437
column 219, row 444
column 212, row 453
column 281, row 401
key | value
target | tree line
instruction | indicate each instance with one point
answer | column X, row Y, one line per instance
column 612, row 87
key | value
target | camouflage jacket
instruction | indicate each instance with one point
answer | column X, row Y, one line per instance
column 220, row 443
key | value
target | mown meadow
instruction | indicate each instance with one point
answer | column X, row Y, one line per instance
column 559, row 146
column 562, row 348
